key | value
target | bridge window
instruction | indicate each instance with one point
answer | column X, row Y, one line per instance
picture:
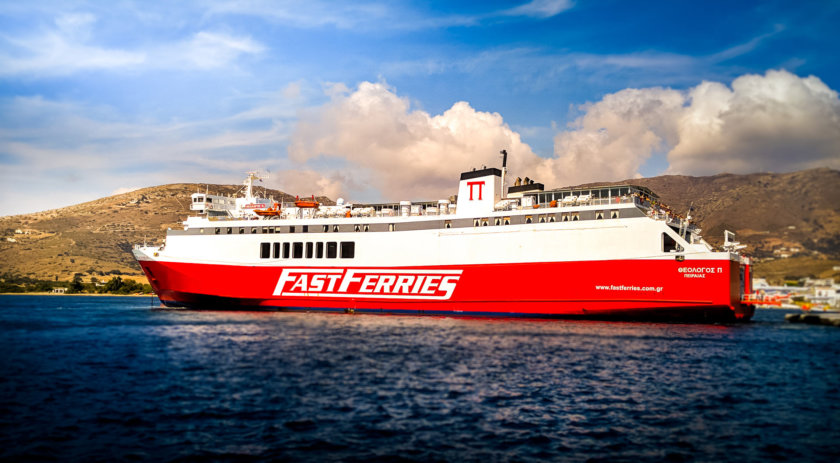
column 670, row 244
column 265, row 250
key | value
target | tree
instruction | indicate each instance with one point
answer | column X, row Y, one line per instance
column 76, row 286
column 113, row 285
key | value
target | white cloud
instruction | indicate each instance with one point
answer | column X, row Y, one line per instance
column 775, row 122
column 208, row 50
column 62, row 50
column 616, row 135
column 404, row 153
column 71, row 46
column 540, row 8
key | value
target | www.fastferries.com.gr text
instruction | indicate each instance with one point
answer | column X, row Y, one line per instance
column 628, row 288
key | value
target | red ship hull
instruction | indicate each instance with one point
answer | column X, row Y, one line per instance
column 701, row 290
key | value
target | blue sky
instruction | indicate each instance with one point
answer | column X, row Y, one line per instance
column 390, row 100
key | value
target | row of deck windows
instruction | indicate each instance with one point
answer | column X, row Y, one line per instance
column 565, row 217
column 297, row 250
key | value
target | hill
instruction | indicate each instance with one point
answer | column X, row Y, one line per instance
column 777, row 215
column 95, row 238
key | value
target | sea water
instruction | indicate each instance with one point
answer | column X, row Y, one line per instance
column 114, row 379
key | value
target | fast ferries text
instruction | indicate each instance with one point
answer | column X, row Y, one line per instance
column 368, row 283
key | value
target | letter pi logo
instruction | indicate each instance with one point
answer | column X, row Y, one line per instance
column 480, row 188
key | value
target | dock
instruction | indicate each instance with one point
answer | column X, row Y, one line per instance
column 830, row 318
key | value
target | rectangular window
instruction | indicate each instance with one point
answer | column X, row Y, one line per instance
column 670, row 244
column 286, row 248
column 276, row 250
column 242, row 230
column 229, row 230
column 306, row 229
column 309, row 250
column 265, row 250
column 332, row 250
column 319, row 250
column 292, row 229
column 297, row 250
column 348, row 249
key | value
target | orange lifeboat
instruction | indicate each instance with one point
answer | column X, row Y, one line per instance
column 273, row 211
column 307, row 203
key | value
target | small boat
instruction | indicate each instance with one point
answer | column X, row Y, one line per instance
column 273, row 211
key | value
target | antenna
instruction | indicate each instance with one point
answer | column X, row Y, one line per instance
column 504, row 172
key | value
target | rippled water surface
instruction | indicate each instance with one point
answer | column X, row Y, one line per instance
column 109, row 379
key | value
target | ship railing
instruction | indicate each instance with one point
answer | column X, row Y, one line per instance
column 575, row 202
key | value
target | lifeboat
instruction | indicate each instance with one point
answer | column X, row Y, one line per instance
column 307, row 203
column 273, row 211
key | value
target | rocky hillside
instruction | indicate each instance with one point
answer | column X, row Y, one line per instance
column 96, row 237
column 776, row 215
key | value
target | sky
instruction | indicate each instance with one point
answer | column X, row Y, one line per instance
column 391, row 100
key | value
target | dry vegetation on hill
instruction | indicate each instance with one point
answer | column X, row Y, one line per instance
column 96, row 237
column 774, row 214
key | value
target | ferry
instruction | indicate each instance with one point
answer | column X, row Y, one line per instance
column 605, row 252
